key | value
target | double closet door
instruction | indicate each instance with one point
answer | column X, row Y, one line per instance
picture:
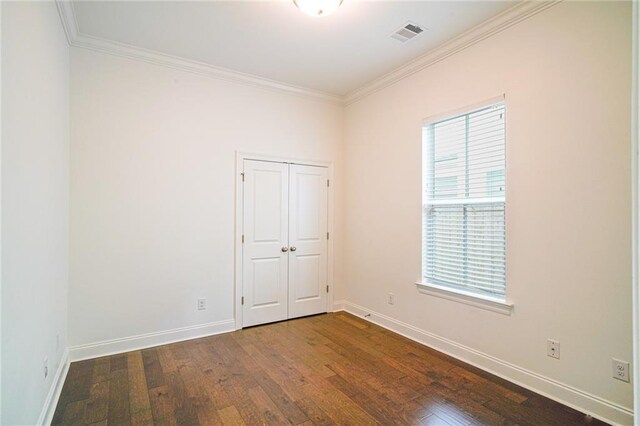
column 284, row 253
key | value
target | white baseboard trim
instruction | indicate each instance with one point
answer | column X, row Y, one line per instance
column 142, row 341
column 50, row 403
column 580, row 400
column 339, row 305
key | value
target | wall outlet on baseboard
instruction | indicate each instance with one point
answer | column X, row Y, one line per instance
column 202, row 304
column 620, row 370
column 553, row 348
column 391, row 299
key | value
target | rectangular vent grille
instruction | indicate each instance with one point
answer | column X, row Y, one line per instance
column 406, row 33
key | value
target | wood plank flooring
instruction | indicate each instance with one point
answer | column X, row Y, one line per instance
column 323, row 370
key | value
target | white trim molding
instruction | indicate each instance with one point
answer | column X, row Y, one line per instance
column 85, row 41
column 482, row 31
column 635, row 188
column 486, row 29
column 568, row 395
column 465, row 109
column 142, row 341
column 339, row 305
column 467, row 298
column 239, row 208
column 50, row 403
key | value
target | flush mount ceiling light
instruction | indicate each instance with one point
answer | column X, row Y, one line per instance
column 318, row 8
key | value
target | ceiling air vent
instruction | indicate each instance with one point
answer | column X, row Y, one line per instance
column 406, row 33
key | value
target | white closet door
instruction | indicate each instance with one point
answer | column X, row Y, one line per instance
column 265, row 263
column 307, row 240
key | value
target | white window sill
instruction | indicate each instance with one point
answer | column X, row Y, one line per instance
column 467, row 298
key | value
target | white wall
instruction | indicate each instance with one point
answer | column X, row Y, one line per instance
column 35, row 197
column 152, row 189
column 152, row 194
column 566, row 75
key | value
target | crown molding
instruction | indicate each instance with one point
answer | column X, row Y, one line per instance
column 68, row 18
column 482, row 31
column 486, row 29
column 78, row 39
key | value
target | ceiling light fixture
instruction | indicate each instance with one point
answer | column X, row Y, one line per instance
column 318, row 8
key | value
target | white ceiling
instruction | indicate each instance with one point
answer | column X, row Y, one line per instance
column 273, row 39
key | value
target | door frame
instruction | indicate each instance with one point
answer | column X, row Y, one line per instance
column 635, row 188
column 239, row 210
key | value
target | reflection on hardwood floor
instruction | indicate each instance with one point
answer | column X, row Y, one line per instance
column 327, row 369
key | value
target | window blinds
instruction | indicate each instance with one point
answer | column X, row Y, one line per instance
column 464, row 202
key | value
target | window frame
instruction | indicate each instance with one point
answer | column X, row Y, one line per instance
column 459, row 294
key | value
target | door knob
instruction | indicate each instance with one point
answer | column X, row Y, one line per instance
column 284, row 249
column 293, row 248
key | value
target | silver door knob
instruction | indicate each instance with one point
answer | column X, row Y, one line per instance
column 293, row 248
column 284, row 249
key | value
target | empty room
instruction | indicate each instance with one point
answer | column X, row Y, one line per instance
column 319, row 212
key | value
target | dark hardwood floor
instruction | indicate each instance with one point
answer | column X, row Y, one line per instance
column 327, row 369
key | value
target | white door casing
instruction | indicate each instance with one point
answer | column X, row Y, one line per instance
column 265, row 229
column 308, row 193
column 284, row 250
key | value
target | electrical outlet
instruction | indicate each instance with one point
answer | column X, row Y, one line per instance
column 390, row 298
column 553, row 348
column 620, row 370
column 202, row 304
column 46, row 366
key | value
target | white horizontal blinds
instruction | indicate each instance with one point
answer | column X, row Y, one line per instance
column 464, row 202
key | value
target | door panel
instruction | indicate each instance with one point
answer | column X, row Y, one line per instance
column 309, row 284
column 267, row 201
column 265, row 229
column 266, row 272
column 307, row 240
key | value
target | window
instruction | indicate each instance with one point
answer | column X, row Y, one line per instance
column 463, row 218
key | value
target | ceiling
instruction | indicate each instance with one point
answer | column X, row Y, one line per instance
column 335, row 54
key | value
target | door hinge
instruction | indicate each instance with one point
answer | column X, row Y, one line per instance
column 242, row 300
column 242, row 174
column 327, row 183
column 327, row 288
column 242, row 238
column 327, row 235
